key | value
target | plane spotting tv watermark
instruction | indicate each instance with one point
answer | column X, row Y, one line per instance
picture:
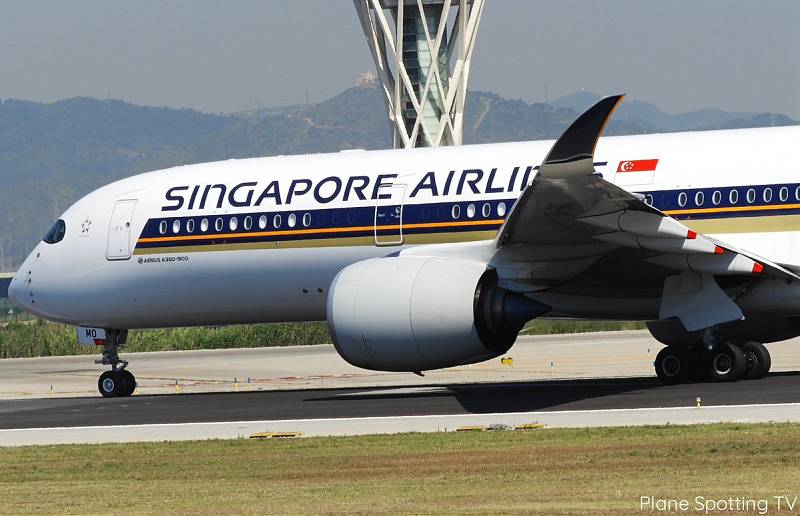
column 707, row 505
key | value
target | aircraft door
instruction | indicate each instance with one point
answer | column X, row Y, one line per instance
column 389, row 215
column 119, row 230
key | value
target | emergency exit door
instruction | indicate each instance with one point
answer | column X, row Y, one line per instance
column 389, row 215
column 119, row 230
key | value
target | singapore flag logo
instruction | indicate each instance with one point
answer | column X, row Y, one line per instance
column 637, row 165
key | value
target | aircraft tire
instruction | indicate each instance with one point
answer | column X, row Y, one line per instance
column 758, row 360
column 130, row 383
column 111, row 384
column 727, row 363
column 673, row 365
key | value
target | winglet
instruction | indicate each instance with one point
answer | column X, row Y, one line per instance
column 573, row 152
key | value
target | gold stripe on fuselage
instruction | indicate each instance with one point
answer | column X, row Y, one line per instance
column 765, row 224
column 367, row 240
column 771, row 224
column 319, row 231
column 732, row 209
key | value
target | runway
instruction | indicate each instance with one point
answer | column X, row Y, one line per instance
column 626, row 354
column 609, row 402
column 406, row 403
column 635, row 393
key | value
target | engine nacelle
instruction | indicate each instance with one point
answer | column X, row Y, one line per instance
column 416, row 313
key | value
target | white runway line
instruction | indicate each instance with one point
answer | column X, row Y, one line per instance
column 780, row 412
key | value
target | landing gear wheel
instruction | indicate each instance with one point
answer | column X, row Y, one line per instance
column 130, row 382
column 727, row 363
column 758, row 360
column 117, row 382
column 674, row 365
column 111, row 384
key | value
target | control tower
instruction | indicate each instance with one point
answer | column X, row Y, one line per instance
column 422, row 51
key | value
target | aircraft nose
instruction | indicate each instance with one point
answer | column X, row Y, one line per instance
column 14, row 291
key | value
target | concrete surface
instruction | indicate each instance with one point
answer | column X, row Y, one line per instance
column 590, row 355
column 601, row 379
column 401, row 424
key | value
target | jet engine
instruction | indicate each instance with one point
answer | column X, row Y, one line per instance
column 416, row 313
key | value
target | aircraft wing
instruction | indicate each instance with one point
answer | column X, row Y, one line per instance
column 572, row 229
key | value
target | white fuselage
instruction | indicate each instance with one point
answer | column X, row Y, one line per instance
column 260, row 240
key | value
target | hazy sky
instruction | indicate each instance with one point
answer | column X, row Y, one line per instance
column 236, row 54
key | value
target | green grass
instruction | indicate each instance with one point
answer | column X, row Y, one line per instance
column 575, row 471
column 37, row 338
column 10, row 313
column 544, row 327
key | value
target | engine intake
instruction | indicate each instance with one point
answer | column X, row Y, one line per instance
column 416, row 313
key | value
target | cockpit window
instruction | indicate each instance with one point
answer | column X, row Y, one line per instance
column 56, row 232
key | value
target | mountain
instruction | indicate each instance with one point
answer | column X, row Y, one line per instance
column 52, row 154
column 637, row 112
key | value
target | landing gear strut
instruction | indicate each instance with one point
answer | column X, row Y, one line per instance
column 724, row 362
column 119, row 382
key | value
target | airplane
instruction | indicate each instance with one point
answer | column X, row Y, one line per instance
column 430, row 258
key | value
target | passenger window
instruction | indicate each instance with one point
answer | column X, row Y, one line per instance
column 233, row 223
column 56, row 232
column 471, row 210
column 784, row 194
column 204, row 225
column 797, row 193
column 176, row 226
column 218, row 224
column 733, row 197
column 292, row 220
column 751, row 196
column 501, row 209
column 767, row 196
column 190, row 226
column 699, row 199
column 276, row 221
column 456, row 211
column 248, row 222
column 486, row 210
column 716, row 197
column 682, row 199
column 162, row 228
column 307, row 219
column 262, row 222
column 648, row 199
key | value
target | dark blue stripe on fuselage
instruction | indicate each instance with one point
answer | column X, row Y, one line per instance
column 364, row 217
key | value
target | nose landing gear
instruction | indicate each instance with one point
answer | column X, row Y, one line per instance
column 119, row 382
column 115, row 384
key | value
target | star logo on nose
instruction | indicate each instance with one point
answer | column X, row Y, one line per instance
column 86, row 225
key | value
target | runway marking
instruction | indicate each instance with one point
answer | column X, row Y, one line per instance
column 705, row 408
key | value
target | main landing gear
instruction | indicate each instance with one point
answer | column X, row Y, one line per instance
column 119, row 382
column 722, row 362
